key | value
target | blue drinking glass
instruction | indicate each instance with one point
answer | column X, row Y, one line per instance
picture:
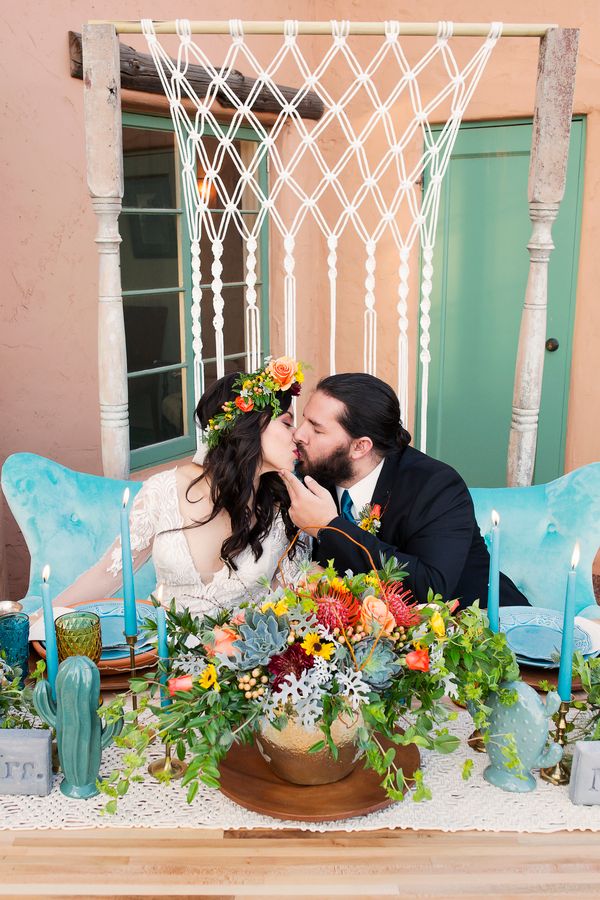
column 14, row 642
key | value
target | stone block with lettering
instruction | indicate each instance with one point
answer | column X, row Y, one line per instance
column 25, row 761
column 584, row 787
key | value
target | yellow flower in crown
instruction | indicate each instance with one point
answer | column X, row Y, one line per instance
column 256, row 391
column 437, row 624
column 313, row 645
column 208, row 678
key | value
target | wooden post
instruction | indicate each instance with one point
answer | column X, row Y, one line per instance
column 104, row 151
column 547, row 174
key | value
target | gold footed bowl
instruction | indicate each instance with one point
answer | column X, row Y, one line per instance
column 286, row 751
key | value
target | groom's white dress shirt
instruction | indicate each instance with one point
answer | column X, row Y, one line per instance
column 361, row 493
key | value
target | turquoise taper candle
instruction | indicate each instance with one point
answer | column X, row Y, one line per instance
column 565, row 672
column 493, row 603
column 163, row 647
column 128, row 583
column 50, row 632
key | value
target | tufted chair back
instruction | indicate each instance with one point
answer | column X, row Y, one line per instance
column 69, row 519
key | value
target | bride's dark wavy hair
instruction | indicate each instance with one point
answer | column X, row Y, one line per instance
column 230, row 468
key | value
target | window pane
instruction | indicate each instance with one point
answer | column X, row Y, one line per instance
column 149, row 169
column 156, row 404
column 153, row 330
column 234, row 316
column 231, row 365
column 149, row 257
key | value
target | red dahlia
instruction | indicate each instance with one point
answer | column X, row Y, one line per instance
column 398, row 599
column 337, row 609
column 293, row 660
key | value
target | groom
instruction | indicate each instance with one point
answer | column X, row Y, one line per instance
column 354, row 453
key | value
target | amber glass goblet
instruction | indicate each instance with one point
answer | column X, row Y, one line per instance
column 78, row 634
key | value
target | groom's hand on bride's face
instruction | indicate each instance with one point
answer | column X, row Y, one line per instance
column 312, row 506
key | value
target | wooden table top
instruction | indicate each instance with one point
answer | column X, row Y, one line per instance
column 173, row 863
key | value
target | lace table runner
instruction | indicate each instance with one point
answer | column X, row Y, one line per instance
column 457, row 805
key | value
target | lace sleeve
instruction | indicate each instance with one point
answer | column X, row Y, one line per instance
column 104, row 578
column 295, row 568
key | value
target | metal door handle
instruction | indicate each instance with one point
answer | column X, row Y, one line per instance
column 552, row 345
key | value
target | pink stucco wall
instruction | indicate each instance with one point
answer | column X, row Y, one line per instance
column 48, row 307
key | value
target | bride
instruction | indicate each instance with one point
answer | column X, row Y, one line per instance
column 216, row 531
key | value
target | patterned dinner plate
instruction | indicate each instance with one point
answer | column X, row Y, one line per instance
column 535, row 635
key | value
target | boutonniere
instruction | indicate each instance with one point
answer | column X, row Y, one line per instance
column 369, row 518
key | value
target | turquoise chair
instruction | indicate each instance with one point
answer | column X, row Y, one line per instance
column 69, row 519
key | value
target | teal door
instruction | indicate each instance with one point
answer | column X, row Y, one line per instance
column 480, row 273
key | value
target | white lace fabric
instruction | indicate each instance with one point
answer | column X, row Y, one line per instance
column 155, row 527
column 456, row 805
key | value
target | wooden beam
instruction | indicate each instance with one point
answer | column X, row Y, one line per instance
column 138, row 73
column 547, row 175
column 104, row 153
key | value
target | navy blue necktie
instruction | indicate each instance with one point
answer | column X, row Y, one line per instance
column 346, row 507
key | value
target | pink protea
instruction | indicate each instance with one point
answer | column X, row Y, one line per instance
column 337, row 609
column 398, row 599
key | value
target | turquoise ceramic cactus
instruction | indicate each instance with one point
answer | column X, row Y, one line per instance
column 528, row 720
column 80, row 734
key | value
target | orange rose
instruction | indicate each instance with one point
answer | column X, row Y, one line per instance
column 418, row 660
column 184, row 683
column 282, row 371
column 246, row 404
column 376, row 511
column 375, row 610
column 224, row 639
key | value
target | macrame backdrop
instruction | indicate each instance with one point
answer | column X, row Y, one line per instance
column 349, row 171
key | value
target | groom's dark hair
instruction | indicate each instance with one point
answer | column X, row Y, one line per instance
column 371, row 409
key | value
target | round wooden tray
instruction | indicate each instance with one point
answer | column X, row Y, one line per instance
column 532, row 676
column 247, row 779
column 111, row 666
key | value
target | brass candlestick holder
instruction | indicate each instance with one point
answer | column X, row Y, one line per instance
column 131, row 642
column 167, row 766
column 559, row 774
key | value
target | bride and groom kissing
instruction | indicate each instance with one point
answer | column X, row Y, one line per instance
column 215, row 528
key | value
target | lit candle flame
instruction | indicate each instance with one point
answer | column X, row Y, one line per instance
column 46, row 573
column 575, row 557
column 495, row 518
column 125, row 497
column 159, row 594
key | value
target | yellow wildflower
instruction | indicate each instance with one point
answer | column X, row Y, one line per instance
column 314, row 646
column 337, row 584
column 372, row 580
column 365, row 524
column 208, row 678
column 280, row 608
column 247, row 385
column 299, row 374
column 437, row 624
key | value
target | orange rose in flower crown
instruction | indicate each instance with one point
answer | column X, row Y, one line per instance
column 256, row 391
column 285, row 371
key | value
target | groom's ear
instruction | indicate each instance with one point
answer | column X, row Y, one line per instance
column 360, row 447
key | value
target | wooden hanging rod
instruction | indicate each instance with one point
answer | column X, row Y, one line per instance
column 461, row 29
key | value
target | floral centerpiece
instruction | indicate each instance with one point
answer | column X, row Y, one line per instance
column 355, row 649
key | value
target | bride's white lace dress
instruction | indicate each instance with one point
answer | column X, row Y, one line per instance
column 155, row 525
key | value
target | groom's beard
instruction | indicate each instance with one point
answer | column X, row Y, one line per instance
column 333, row 469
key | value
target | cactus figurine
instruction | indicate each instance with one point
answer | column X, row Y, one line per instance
column 528, row 719
column 80, row 734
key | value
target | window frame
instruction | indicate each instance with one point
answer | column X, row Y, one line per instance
column 185, row 445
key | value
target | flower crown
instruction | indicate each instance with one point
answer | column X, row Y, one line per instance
column 258, row 390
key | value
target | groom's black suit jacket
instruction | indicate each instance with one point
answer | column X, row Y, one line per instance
column 428, row 523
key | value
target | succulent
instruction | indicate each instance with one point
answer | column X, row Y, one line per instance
column 262, row 636
column 382, row 665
